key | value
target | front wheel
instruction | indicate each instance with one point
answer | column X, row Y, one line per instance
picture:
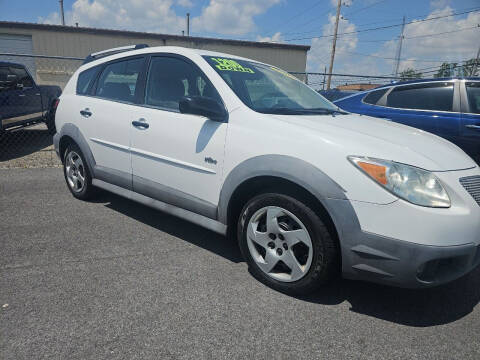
column 286, row 244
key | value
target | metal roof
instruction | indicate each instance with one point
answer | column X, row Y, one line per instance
column 147, row 35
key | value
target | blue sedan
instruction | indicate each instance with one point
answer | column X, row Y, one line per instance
column 449, row 108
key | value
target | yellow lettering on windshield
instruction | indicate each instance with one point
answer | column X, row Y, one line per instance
column 283, row 72
column 230, row 65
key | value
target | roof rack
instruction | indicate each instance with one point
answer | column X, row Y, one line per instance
column 101, row 54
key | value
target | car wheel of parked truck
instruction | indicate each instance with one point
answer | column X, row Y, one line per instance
column 286, row 244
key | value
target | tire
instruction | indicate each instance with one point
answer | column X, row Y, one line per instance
column 317, row 254
column 50, row 122
column 76, row 173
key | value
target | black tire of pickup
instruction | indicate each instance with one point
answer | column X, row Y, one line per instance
column 50, row 122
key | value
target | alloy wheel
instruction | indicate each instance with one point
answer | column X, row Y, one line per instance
column 75, row 171
column 280, row 244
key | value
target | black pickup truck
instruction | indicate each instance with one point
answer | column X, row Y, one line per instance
column 22, row 102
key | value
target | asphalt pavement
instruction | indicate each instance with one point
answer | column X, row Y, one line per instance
column 116, row 280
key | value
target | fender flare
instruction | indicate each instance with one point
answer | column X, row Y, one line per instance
column 289, row 168
column 74, row 132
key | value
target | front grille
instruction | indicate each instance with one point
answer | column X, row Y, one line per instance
column 472, row 185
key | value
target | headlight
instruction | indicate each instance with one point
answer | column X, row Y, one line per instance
column 415, row 185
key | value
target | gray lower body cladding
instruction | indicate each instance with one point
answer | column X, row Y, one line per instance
column 375, row 258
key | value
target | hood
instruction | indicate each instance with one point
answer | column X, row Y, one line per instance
column 373, row 137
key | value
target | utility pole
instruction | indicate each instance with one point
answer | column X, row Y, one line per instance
column 188, row 24
column 330, row 69
column 324, row 73
column 399, row 48
column 61, row 12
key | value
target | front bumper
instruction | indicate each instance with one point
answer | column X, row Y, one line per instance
column 405, row 245
column 405, row 264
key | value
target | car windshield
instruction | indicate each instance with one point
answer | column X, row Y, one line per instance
column 268, row 89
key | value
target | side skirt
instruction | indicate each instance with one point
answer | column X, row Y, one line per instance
column 159, row 205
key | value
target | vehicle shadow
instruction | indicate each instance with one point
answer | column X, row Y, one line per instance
column 416, row 308
column 16, row 144
column 174, row 226
column 411, row 307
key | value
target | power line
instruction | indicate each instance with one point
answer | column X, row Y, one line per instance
column 377, row 22
column 384, row 27
column 365, row 7
column 295, row 16
column 426, row 35
column 392, row 58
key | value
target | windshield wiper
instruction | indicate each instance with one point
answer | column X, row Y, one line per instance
column 294, row 111
column 326, row 111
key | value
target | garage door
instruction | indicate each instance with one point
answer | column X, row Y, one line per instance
column 18, row 44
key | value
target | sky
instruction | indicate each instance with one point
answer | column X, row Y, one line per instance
column 436, row 30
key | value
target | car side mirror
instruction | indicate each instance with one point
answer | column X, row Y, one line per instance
column 204, row 106
column 19, row 86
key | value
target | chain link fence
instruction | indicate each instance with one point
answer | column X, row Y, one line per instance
column 30, row 83
column 342, row 85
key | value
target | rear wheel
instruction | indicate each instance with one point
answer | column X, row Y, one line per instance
column 286, row 244
column 77, row 175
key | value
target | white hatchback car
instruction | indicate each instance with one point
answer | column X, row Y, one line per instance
column 233, row 144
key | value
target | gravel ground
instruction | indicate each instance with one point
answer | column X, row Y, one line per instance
column 29, row 147
column 111, row 279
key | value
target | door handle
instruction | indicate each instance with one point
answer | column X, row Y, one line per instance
column 141, row 123
column 86, row 113
column 474, row 127
column 22, row 95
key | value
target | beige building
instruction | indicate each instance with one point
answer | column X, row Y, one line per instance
column 78, row 42
column 357, row 87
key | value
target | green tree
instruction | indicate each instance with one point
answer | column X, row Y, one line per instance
column 409, row 74
column 471, row 67
column 447, row 70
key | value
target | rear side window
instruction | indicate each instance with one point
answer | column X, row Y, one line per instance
column 437, row 97
column 473, row 95
column 373, row 96
column 118, row 80
column 170, row 79
column 85, row 79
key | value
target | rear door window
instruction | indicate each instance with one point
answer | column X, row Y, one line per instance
column 473, row 95
column 118, row 80
column 436, row 97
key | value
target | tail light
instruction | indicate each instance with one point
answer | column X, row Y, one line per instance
column 55, row 104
